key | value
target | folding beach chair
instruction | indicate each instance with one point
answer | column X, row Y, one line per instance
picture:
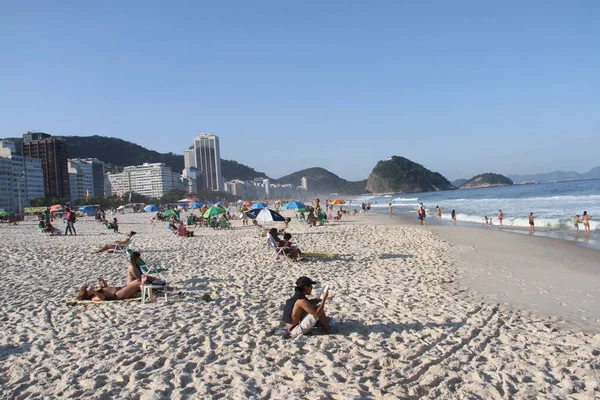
column 275, row 249
column 123, row 248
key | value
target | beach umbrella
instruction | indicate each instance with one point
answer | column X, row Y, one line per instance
column 4, row 214
column 195, row 204
column 338, row 201
column 87, row 210
column 151, row 208
column 213, row 211
column 264, row 215
column 169, row 213
column 292, row 205
column 257, row 205
column 56, row 207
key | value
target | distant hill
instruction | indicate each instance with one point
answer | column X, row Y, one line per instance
column 121, row 153
column 401, row 175
column 322, row 181
column 458, row 182
column 593, row 173
column 486, row 180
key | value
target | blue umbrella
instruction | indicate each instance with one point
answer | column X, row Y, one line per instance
column 195, row 205
column 87, row 210
column 151, row 208
column 292, row 205
column 257, row 205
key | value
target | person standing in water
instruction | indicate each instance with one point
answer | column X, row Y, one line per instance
column 500, row 216
column 531, row 223
column 453, row 216
column 390, row 209
column 576, row 223
column 586, row 221
column 438, row 213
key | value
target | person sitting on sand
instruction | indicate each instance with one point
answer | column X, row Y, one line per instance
column 311, row 219
column 49, row 228
column 111, row 246
column 108, row 293
column 301, row 314
column 114, row 225
column 293, row 251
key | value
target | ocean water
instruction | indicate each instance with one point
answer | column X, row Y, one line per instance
column 554, row 206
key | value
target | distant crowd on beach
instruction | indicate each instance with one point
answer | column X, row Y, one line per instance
column 422, row 216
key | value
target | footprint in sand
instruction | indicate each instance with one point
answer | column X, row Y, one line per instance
column 564, row 304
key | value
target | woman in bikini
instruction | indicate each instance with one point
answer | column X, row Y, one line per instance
column 586, row 221
column 531, row 223
column 111, row 246
column 108, row 293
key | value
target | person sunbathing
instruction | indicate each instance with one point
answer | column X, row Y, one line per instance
column 134, row 272
column 285, row 225
column 301, row 314
column 111, row 246
column 108, row 293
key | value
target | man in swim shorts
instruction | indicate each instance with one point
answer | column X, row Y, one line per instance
column 301, row 314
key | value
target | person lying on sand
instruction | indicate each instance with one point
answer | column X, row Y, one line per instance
column 111, row 246
column 301, row 314
column 108, row 293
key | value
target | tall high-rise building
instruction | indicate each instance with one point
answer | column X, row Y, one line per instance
column 304, row 183
column 205, row 155
column 86, row 177
column 21, row 178
column 53, row 153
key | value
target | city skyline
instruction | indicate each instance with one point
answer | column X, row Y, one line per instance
column 460, row 88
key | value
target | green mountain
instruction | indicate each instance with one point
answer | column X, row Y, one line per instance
column 458, row 182
column 486, row 180
column 400, row 175
column 322, row 181
column 120, row 153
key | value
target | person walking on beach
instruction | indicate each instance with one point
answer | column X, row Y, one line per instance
column 576, row 223
column 531, row 223
column 453, row 216
column 586, row 221
column 438, row 214
column 500, row 216
column 70, row 223
column 420, row 214
column 390, row 209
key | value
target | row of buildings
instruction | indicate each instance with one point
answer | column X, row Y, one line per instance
column 40, row 167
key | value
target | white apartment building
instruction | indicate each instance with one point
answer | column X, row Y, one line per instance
column 205, row 155
column 152, row 180
column 86, row 177
column 21, row 178
column 192, row 180
column 304, row 183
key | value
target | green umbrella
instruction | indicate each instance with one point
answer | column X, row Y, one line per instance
column 4, row 214
column 168, row 213
column 214, row 210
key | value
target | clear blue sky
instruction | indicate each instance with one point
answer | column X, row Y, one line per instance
column 462, row 87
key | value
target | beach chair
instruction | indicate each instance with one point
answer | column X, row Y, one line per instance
column 123, row 248
column 275, row 249
column 224, row 224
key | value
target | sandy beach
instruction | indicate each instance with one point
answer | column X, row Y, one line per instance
column 436, row 312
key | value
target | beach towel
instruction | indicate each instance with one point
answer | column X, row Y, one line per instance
column 320, row 255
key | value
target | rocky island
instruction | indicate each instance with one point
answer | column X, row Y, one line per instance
column 486, row 180
column 400, row 175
